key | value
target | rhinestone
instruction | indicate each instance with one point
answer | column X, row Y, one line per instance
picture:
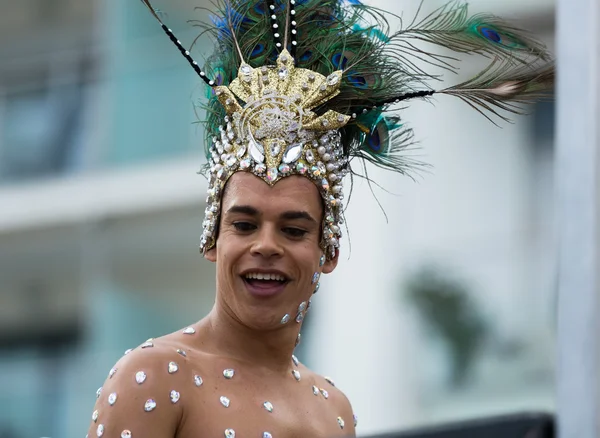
column 295, row 360
column 315, row 390
column 150, row 405
column 245, row 163
column 126, row 434
column 267, row 435
column 298, row 338
column 181, row 352
column 325, row 122
column 355, row 418
column 340, row 421
column 324, row 393
column 302, row 306
column 147, row 344
column 299, row 317
column 100, row 430
column 175, row 396
column 311, row 77
column 98, row 392
column 301, row 168
column 309, row 305
column 328, row 379
column 283, row 73
column 332, row 79
column 246, row 69
column 284, row 169
column 309, row 156
column 95, row 416
column 112, row 398
column 173, row 367
column 128, row 351
column 268, row 406
column 256, row 151
column 198, row 380
column 228, row 373
column 321, row 150
column 260, row 168
column 296, row 375
column 304, row 86
column 189, row 331
column 229, row 433
column 285, row 319
column 323, row 87
column 275, row 150
column 325, row 184
column 240, row 152
column 263, row 69
column 225, row 401
column 140, row 377
column 231, row 161
column 315, row 277
column 272, row 174
column 322, row 260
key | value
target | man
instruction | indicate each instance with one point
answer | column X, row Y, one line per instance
column 309, row 92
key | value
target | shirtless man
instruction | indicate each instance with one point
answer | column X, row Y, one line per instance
column 233, row 373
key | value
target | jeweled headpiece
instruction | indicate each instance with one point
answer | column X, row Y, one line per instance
column 302, row 87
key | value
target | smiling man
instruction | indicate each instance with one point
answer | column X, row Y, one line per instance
column 298, row 88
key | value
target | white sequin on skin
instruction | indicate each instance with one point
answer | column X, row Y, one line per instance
column 100, row 430
column 112, row 398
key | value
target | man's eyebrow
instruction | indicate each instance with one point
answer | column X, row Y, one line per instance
column 243, row 209
column 291, row 215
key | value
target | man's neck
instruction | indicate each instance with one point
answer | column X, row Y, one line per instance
column 226, row 336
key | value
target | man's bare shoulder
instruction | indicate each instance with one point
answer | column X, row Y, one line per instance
column 327, row 388
column 145, row 392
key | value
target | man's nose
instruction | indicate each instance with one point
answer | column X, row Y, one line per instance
column 267, row 243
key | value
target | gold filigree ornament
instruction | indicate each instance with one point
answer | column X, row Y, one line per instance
column 272, row 132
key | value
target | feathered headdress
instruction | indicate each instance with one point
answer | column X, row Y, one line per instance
column 302, row 87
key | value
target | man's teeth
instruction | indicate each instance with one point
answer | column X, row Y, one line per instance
column 258, row 276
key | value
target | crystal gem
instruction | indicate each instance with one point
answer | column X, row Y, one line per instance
column 189, row 331
column 332, row 79
column 301, row 168
column 112, row 372
column 309, row 156
column 324, row 393
column 221, row 174
column 231, row 160
column 229, row 433
column 311, row 77
column 147, row 344
column 284, row 58
column 267, row 435
column 315, row 171
column 299, row 317
column 323, row 87
column 295, row 360
column 302, row 306
column 228, row 373
column 268, row 406
column 245, row 163
column 315, row 390
column 198, row 380
column 275, row 150
column 285, row 319
column 98, row 392
column 317, row 288
column 325, row 184
column 304, row 86
column 309, row 305
column 272, row 174
column 100, row 430
column 296, row 375
column 150, row 405
column 340, row 421
column 298, row 339
column 225, row 401
column 173, row 367
column 112, row 398
column 355, row 418
column 292, row 153
column 328, row 380
column 325, row 123
column 181, row 352
column 95, row 416
column 140, row 377
column 128, row 351
column 175, row 396
column 284, row 169
column 256, row 151
column 322, row 260
column 240, row 152
column 283, row 73
column 260, row 168
column 126, row 434
column 246, row 69
column 315, row 277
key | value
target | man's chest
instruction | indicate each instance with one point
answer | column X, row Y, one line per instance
column 262, row 408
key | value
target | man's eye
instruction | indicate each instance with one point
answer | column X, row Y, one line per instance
column 294, row 232
column 244, row 226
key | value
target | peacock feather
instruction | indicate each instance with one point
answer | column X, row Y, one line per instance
column 381, row 67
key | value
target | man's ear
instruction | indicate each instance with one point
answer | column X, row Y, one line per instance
column 330, row 265
column 211, row 254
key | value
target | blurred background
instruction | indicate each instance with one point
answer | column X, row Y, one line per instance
column 446, row 311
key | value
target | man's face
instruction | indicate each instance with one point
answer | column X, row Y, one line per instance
column 268, row 252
